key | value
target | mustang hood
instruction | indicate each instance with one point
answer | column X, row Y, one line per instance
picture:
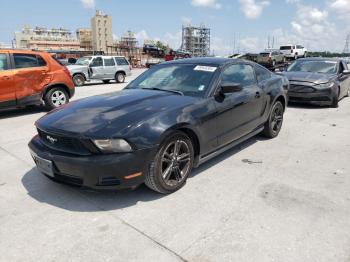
column 110, row 113
column 316, row 78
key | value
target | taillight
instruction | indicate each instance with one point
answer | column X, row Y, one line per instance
column 66, row 71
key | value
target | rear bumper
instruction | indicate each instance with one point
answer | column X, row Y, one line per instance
column 318, row 97
column 98, row 172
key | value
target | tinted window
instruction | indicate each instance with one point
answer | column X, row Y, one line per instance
column 121, row 61
column 300, row 47
column 341, row 68
column 286, row 47
column 41, row 61
column 239, row 73
column 3, row 62
column 109, row 62
column 191, row 80
column 97, row 62
column 25, row 60
column 262, row 74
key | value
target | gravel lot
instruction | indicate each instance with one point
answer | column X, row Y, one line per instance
column 286, row 199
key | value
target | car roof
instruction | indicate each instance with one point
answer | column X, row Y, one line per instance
column 25, row 51
column 321, row 59
column 205, row 60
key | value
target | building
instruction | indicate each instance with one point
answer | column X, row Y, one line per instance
column 196, row 40
column 84, row 36
column 41, row 38
column 102, row 36
column 128, row 40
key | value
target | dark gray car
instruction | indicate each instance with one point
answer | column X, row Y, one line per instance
column 318, row 81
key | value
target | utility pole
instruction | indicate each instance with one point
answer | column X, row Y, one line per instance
column 347, row 43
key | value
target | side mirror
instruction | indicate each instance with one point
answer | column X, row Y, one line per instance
column 228, row 88
column 346, row 72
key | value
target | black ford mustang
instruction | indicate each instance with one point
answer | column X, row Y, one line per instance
column 321, row 81
column 170, row 119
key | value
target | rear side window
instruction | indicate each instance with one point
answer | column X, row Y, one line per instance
column 239, row 73
column 109, row 62
column 262, row 74
column 28, row 61
column 3, row 62
column 121, row 61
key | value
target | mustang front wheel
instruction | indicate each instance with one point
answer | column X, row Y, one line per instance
column 172, row 164
column 274, row 123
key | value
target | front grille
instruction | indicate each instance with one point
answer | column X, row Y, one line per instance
column 64, row 144
column 301, row 89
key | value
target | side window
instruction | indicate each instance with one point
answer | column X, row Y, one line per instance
column 25, row 61
column 109, row 62
column 121, row 61
column 341, row 67
column 97, row 62
column 41, row 61
column 262, row 74
column 3, row 62
column 239, row 73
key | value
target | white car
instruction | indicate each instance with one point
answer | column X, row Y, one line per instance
column 293, row 51
column 105, row 68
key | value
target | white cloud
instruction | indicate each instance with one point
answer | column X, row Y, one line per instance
column 252, row 9
column 207, row 3
column 88, row 3
column 340, row 7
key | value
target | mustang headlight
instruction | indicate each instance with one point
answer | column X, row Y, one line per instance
column 326, row 85
column 113, row 145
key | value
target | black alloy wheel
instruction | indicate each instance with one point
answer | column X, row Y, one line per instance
column 172, row 165
column 274, row 124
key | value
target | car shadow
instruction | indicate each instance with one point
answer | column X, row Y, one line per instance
column 306, row 106
column 21, row 111
column 77, row 199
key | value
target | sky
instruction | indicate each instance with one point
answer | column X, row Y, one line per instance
column 236, row 25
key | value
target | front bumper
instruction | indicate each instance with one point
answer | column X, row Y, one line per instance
column 99, row 172
column 317, row 96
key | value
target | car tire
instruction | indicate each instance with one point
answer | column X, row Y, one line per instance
column 78, row 80
column 56, row 97
column 274, row 123
column 120, row 77
column 172, row 164
column 335, row 102
column 106, row 81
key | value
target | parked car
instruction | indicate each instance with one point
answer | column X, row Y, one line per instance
column 153, row 50
column 271, row 58
column 320, row 81
column 33, row 78
column 105, row 68
column 293, row 51
column 158, row 128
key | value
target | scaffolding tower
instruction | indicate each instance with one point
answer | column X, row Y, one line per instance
column 196, row 40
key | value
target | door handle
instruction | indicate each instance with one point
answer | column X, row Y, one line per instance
column 257, row 95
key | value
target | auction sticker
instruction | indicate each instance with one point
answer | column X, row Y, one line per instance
column 210, row 69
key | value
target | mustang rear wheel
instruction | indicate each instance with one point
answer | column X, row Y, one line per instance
column 274, row 123
column 172, row 164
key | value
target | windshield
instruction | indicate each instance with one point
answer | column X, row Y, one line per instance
column 83, row 61
column 326, row 67
column 191, row 80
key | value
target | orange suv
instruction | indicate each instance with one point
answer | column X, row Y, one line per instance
column 33, row 78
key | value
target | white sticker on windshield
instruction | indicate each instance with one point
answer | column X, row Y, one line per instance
column 210, row 69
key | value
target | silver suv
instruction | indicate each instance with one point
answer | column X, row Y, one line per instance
column 105, row 68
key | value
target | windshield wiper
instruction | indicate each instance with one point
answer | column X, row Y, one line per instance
column 166, row 90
